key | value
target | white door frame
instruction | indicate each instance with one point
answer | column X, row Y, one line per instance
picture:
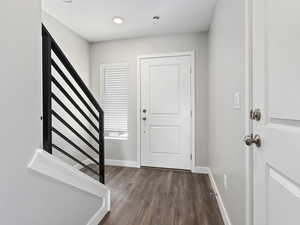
column 248, row 125
column 139, row 58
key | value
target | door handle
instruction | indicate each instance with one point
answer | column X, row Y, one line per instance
column 250, row 139
column 144, row 118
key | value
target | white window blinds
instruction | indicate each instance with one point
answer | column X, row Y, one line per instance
column 114, row 79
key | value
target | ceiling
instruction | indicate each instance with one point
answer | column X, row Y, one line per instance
column 92, row 19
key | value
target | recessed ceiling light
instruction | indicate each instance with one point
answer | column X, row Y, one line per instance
column 156, row 17
column 67, row 1
column 118, row 20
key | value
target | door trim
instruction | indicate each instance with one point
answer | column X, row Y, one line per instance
column 138, row 108
column 248, row 125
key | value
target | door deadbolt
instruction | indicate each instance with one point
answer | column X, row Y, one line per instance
column 144, row 110
column 250, row 139
column 255, row 115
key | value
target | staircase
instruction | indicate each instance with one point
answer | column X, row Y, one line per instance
column 67, row 91
column 73, row 141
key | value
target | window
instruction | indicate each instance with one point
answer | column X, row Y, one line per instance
column 114, row 98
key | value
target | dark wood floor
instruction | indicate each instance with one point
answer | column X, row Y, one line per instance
column 150, row 196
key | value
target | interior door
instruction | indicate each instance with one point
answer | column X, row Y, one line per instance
column 276, row 87
column 166, row 112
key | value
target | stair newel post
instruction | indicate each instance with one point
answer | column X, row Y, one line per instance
column 101, row 147
column 47, row 106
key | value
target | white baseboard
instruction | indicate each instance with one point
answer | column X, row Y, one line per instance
column 221, row 205
column 48, row 165
column 201, row 170
column 111, row 162
column 122, row 163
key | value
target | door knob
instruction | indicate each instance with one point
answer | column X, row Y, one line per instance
column 250, row 139
column 144, row 118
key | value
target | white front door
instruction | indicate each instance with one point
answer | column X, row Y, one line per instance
column 276, row 82
column 166, row 112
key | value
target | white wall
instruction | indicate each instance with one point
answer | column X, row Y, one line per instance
column 77, row 51
column 26, row 197
column 226, row 149
column 127, row 51
column 74, row 46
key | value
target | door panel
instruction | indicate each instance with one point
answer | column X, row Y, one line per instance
column 165, row 97
column 289, row 197
column 276, row 69
column 283, row 54
column 164, row 77
column 164, row 140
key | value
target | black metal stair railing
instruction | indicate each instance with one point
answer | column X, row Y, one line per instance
column 49, row 46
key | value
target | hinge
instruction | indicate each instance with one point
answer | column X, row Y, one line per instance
column 191, row 70
column 191, row 156
column 191, row 113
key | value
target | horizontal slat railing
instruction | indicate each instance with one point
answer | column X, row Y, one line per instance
column 73, row 158
column 69, row 112
column 94, row 117
column 73, row 89
column 64, row 122
column 60, row 87
column 64, row 60
column 73, row 144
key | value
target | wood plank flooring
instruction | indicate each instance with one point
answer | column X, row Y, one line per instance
column 152, row 196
